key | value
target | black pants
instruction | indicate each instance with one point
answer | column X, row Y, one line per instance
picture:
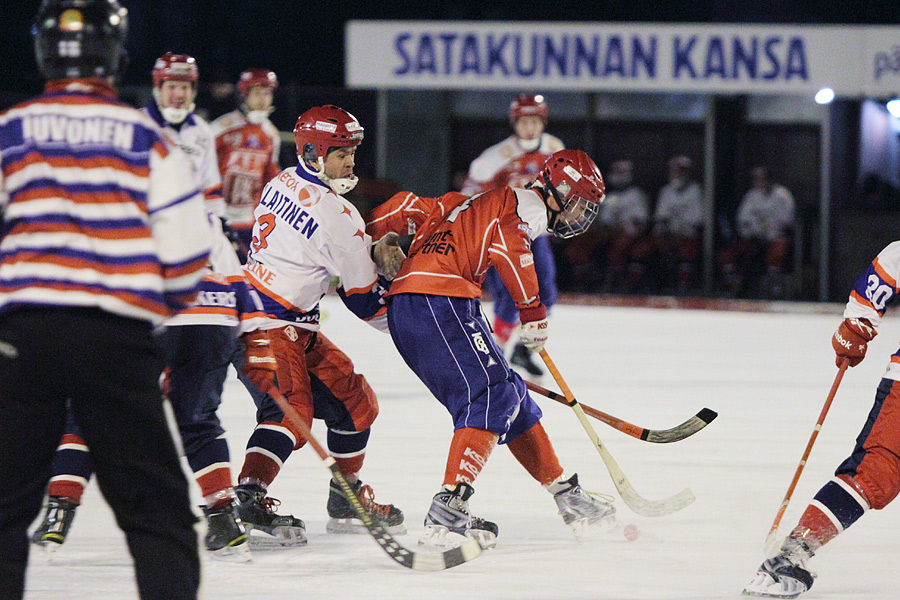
column 109, row 368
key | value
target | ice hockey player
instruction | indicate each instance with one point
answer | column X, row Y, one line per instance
column 437, row 326
column 248, row 146
column 870, row 477
column 105, row 236
column 515, row 162
column 305, row 234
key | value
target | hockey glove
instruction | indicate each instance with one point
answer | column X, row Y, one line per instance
column 534, row 334
column 851, row 339
column 259, row 360
column 388, row 255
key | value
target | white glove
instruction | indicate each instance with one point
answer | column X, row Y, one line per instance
column 534, row 334
column 388, row 255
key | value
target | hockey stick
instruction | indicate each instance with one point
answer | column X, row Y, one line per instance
column 658, row 436
column 637, row 503
column 411, row 559
column 771, row 539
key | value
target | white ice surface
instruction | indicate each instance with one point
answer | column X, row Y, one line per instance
column 767, row 375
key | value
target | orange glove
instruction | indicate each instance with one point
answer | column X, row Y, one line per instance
column 259, row 360
column 851, row 340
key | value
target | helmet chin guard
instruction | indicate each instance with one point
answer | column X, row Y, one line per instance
column 317, row 131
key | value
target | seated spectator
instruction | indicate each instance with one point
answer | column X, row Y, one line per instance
column 765, row 222
column 623, row 220
column 672, row 250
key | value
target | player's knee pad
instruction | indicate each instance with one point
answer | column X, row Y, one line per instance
column 879, row 476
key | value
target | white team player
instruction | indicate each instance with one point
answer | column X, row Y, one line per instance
column 306, row 233
column 174, row 91
column 516, row 162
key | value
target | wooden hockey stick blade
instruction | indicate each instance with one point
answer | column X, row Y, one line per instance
column 657, row 436
column 636, row 502
column 411, row 559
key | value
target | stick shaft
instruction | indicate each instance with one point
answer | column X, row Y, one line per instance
column 812, row 438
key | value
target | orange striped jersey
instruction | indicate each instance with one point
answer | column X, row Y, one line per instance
column 99, row 209
column 248, row 159
column 457, row 238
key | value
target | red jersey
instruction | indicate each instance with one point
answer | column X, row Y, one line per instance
column 457, row 238
column 248, row 159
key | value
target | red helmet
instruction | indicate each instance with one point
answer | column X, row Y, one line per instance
column 526, row 105
column 574, row 180
column 175, row 67
column 324, row 127
column 256, row 78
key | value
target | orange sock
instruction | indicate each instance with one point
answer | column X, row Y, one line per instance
column 469, row 450
column 535, row 452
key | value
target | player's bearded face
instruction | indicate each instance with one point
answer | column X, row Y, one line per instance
column 340, row 162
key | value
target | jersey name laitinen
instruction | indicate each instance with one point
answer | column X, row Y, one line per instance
column 304, row 235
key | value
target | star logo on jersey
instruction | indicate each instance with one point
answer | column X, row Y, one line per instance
column 360, row 233
column 347, row 211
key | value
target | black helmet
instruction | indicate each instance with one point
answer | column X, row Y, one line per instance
column 80, row 38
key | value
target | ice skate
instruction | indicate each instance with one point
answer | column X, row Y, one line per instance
column 226, row 538
column 52, row 532
column 521, row 357
column 587, row 513
column 265, row 528
column 345, row 520
column 448, row 521
column 785, row 575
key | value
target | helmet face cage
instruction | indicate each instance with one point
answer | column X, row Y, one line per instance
column 80, row 38
column 575, row 217
column 574, row 181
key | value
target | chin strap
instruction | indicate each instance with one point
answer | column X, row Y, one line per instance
column 339, row 186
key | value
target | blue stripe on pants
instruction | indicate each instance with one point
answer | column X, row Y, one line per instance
column 448, row 344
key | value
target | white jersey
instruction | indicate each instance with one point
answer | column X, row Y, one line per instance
column 196, row 139
column 489, row 163
column 304, row 235
column 625, row 210
column 224, row 298
column 680, row 209
column 874, row 292
column 766, row 214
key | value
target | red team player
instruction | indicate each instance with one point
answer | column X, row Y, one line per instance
column 305, row 234
column 870, row 477
column 436, row 323
column 248, row 145
column 515, row 162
